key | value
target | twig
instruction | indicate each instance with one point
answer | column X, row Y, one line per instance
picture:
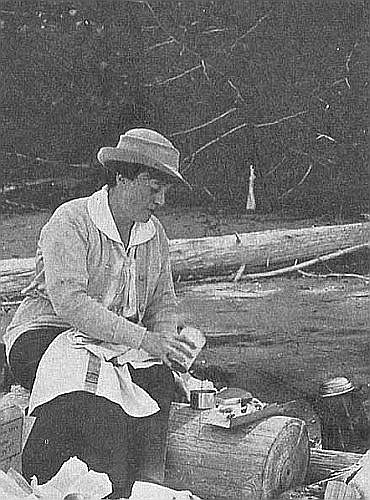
column 190, row 158
column 162, row 44
column 211, row 195
column 202, row 125
column 205, row 72
column 18, row 186
column 239, row 273
column 283, row 119
column 187, row 49
column 349, row 57
column 173, row 78
column 215, row 30
column 10, row 303
column 275, row 167
column 237, row 91
column 324, row 136
column 232, row 47
column 238, row 238
column 307, row 173
column 334, row 275
column 317, row 158
column 311, row 262
column 43, row 160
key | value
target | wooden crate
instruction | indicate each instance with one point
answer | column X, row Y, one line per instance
column 11, row 427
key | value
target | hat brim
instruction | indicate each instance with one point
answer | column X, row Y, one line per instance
column 116, row 154
column 339, row 393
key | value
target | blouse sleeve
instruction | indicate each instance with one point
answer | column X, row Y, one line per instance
column 64, row 244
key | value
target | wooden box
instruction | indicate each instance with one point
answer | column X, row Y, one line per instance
column 11, row 425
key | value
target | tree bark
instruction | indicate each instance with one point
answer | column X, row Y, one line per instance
column 257, row 461
column 324, row 463
column 219, row 256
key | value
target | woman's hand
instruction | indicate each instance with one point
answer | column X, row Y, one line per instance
column 168, row 347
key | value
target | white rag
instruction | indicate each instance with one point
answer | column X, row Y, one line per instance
column 63, row 369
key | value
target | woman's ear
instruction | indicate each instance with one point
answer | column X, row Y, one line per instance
column 119, row 178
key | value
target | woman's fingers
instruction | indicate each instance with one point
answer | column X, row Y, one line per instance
column 187, row 341
column 181, row 347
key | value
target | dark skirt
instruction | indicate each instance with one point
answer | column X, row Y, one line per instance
column 91, row 427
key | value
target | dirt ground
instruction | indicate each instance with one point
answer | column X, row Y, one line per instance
column 279, row 338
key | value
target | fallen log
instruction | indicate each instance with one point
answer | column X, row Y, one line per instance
column 307, row 263
column 325, row 463
column 218, row 256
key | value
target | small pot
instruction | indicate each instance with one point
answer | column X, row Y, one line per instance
column 202, row 399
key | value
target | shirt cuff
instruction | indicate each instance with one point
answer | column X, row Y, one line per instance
column 130, row 334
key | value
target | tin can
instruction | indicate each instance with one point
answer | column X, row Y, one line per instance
column 202, row 399
column 345, row 425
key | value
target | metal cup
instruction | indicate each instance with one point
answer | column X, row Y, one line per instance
column 198, row 339
column 202, row 399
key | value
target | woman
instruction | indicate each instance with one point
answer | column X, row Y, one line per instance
column 95, row 335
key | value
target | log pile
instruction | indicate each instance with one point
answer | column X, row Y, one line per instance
column 219, row 256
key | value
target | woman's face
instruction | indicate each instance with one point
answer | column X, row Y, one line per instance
column 142, row 196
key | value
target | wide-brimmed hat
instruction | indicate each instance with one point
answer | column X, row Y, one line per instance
column 146, row 147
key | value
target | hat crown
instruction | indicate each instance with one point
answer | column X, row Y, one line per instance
column 147, row 147
column 148, row 136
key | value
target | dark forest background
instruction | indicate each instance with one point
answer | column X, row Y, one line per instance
column 278, row 84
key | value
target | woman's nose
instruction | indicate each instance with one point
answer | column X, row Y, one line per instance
column 160, row 196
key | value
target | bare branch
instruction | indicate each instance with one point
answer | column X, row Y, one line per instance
column 162, row 44
column 324, row 136
column 215, row 30
column 349, row 57
column 327, row 105
column 174, row 78
column 12, row 303
column 205, row 70
column 308, row 263
column 307, row 173
column 210, row 143
column 334, row 275
column 253, row 28
column 43, row 160
column 317, row 158
column 239, row 273
column 275, row 167
column 285, row 118
column 236, row 90
column 187, row 49
column 202, row 125
column 336, row 82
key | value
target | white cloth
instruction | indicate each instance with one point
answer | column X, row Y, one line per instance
column 141, row 232
column 64, row 366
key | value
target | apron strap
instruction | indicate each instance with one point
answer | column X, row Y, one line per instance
column 92, row 374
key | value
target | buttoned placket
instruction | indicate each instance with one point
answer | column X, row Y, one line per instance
column 100, row 212
column 127, row 281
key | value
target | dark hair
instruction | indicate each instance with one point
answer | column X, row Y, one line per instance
column 131, row 171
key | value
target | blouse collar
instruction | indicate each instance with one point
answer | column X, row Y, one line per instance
column 101, row 215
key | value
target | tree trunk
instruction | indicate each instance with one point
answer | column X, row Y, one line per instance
column 323, row 463
column 221, row 255
column 216, row 256
column 256, row 461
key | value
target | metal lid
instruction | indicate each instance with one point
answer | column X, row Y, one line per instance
column 336, row 387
